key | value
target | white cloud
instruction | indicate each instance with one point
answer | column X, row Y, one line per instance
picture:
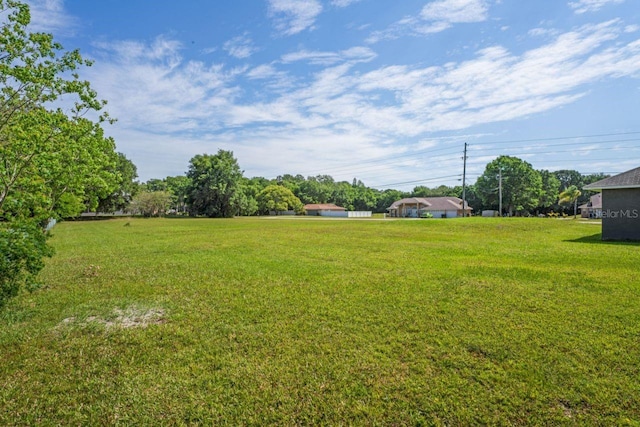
column 264, row 71
column 339, row 110
column 584, row 6
column 543, row 32
column 150, row 86
column 343, row 3
column 49, row 16
column 358, row 54
column 435, row 17
column 240, row 47
column 455, row 11
column 294, row 16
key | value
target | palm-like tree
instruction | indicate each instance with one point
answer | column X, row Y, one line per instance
column 570, row 195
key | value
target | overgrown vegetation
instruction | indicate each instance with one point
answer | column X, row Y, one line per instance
column 54, row 162
column 302, row 321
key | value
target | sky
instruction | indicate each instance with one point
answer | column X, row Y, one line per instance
column 388, row 92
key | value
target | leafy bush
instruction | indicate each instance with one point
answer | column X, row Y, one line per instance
column 151, row 203
column 23, row 248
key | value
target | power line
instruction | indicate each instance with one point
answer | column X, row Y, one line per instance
column 376, row 168
column 558, row 138
column 419, row 180
column 385, row 159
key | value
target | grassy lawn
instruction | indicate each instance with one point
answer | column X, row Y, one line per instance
column 337, row 322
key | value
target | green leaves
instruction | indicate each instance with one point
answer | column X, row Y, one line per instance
column 215, row 184
column 49, row 159
column 521, row 184
column 22, row 249
column 276, row 198
column 151, row 203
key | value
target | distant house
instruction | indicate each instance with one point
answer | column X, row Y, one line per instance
column 593, row 208
column 439, row 207
column 320, row 209
column 620, row 205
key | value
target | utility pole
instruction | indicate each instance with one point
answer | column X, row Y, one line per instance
column 464, row 188
column 500, row 191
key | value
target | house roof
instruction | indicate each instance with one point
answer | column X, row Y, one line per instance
column 595, row 202
column 323, row 207
column 431, row 203
column 628, row 179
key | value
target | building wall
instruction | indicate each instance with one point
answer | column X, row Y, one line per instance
column 621, row 214
column 346, row 214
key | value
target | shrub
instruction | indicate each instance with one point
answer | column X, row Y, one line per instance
column 22, row 250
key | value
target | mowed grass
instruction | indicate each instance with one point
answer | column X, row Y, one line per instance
column 326, row 322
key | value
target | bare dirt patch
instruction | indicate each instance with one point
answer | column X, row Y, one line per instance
column 130, row 317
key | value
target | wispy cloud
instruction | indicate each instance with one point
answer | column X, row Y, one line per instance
column 341, row 109
column 435, row 17
column 543, row 32
column 294, row 16
column 50, row 16
column 455, row 11
column 359, row 54
column 343, row 3
column 584, row 6
column 240, row 47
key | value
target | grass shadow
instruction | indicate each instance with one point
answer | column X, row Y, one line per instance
column 96, row 218
column 597, row 239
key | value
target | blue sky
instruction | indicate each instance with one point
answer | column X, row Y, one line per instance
column 386, row 92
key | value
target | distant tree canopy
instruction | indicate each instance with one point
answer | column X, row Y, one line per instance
column 521, row 184
column 550, row 188
column 216, row 187
column 151, row 203
column 276, row 198
column 215, row 181
column 126, row 187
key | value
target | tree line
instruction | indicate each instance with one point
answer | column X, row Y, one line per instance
column 214, row 186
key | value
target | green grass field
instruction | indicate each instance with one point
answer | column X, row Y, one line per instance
column 336, row 322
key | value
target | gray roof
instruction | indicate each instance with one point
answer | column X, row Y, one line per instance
column 628, row 179
column 431, row 203
column 595, row 202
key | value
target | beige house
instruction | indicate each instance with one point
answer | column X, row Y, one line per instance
column 439, row 207
column 593, row 208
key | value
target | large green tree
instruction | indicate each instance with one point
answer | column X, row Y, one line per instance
column 316, row 189
column 569, row 177
column 364, row 198
column 278, row 199
column 178, row 186
column 151, row 203
column 49, row 157
column 126, row 187
column 550, row 188
column 214, row 189
column 521, row 185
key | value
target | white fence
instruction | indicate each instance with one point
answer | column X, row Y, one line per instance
column 346, row 214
